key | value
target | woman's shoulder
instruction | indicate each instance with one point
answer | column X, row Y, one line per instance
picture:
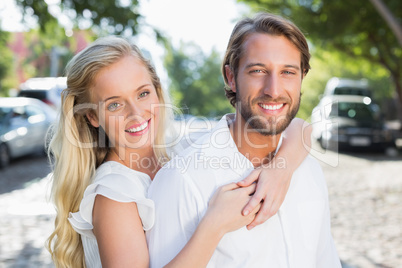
column 119, row 183
column 120, row 179
column 117, row 169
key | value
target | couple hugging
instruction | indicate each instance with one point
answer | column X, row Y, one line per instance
column 249, row 194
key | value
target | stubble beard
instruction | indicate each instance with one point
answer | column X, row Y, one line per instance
column 267, row 126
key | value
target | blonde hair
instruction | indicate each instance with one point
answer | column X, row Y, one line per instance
column 77, row 148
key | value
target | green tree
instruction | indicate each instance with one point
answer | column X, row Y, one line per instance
column 38, row 62
column 354, row 28
column 5, row 62
column 114, row 17
column 196, row 84
column 326, row 64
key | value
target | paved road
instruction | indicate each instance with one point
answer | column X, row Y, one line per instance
column 365, row 198
column 26, row 218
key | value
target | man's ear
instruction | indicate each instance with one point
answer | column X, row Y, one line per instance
column 231, row 78
column 93, row 118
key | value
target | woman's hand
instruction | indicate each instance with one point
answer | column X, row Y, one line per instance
column 273, row 184
column 224, row 212
column 223, row 215
column 273, row 180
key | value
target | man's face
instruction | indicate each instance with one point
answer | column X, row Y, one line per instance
column 268, row 83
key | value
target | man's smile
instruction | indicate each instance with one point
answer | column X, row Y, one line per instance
column 271, row 107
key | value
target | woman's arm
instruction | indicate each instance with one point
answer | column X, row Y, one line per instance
column 122, row 242
column 119, row 233
column 274, row 178
column 223, row 216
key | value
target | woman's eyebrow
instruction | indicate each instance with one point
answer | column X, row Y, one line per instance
column 115, row 97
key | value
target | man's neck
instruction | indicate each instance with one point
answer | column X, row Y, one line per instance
column 258, row 148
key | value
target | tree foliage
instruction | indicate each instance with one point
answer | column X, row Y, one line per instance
column 326, row 64
column 114, row 17
column 354, row 28
column 5, row 61
column 38, row 61
column 196, row 83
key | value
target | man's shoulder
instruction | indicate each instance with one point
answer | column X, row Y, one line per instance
column 310, row 173
column 312, row 163
column 178, row 168
column 182, row 160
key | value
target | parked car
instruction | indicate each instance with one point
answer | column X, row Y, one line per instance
column 23, row 126
column 344, row 86
column 46, row 89
column 350, row 122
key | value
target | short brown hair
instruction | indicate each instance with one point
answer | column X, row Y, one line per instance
column 261, row 23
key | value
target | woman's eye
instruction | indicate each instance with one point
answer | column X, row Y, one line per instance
column 113, row 106
column 143, row 94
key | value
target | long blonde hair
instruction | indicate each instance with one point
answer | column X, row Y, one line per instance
column 76, row 148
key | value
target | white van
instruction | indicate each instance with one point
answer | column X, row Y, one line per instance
column 47, row 89
column 344, row 86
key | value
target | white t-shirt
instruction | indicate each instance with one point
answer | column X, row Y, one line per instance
column 117, row 182
column 298, row 235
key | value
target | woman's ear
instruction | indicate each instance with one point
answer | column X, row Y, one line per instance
column 93, row 118
column 230, row 77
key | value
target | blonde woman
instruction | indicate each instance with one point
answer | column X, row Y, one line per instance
column 113, row 118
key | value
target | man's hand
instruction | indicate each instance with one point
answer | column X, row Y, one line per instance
column 272, row 186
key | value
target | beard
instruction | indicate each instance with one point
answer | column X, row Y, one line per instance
column 272, row 125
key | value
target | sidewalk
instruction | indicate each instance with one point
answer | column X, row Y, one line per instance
column 26, row 220
column 365, row 193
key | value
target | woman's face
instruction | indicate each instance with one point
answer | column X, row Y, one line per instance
column 127, row 105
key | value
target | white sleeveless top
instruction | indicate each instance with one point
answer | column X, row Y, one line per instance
column 119, row 183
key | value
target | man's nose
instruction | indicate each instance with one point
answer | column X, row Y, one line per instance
column 272, row 86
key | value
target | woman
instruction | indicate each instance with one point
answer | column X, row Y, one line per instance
column 114, row 117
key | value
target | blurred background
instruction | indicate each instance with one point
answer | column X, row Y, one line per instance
column 352, row 96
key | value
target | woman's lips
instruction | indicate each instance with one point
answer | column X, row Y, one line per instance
column 138, row 129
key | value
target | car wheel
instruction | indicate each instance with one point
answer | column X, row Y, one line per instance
column 4, row 155
column 323, row 143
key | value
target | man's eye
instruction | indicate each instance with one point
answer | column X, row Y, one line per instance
column 288, row 72
column 256, row 71
column 113, row 106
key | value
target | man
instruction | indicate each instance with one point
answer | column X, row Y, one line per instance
column 265, row 62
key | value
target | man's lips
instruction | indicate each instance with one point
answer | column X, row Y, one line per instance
column 138, row 127
column 271, row 107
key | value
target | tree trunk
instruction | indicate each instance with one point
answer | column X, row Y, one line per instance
column 398, row 88
column 389, row 19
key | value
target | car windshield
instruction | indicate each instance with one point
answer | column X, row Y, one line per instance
column 356, row 111
column 351, row 91
column 37, row 94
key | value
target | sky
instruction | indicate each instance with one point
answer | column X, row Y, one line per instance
column 207, row 23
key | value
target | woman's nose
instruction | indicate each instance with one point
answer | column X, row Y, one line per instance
column 135, row 111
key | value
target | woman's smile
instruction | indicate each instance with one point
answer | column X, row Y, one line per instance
column 139, row 129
